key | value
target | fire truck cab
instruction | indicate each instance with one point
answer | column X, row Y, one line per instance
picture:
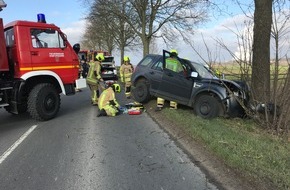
column 37, row 63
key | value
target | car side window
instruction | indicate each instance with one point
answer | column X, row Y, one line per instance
column 158, row 66
column 185, row 66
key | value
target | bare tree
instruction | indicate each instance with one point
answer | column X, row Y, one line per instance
column 280, row 89
column 124, row 35
column 156, row 18
column 106, row 27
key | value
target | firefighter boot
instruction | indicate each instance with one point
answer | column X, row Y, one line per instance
column 173, row 105
column 102, row 112
column 160, row 103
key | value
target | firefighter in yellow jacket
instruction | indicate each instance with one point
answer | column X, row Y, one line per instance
column 126, row 71
column 173, row 64
column 108, row 104
column 94, row 77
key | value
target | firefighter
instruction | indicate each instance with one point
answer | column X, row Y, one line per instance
column 94, row 77
column 173, row 64
column 108, row 105
column 126, row 71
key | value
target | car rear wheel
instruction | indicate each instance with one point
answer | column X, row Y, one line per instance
column 141, row 91
column 207, row 107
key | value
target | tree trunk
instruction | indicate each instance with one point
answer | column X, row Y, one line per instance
column 122, row 50
column 261, row 51
column 146, row 46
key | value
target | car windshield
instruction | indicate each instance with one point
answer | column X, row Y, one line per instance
column 203, row 71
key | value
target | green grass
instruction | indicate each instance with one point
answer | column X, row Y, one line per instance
column 241, row 144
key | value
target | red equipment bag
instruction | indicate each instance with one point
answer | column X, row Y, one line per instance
column 134, row 112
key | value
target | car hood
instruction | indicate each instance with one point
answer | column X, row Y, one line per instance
column 230, row 84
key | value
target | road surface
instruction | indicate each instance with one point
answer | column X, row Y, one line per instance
column 78, row 150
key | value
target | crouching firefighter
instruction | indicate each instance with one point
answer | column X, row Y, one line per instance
column 108, row 105
column 94, row 77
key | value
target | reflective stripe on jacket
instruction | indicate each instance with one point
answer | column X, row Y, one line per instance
column 126, row 72
column 173, row 64
column 94, row 73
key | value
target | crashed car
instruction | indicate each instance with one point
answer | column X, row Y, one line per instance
column 196, row 86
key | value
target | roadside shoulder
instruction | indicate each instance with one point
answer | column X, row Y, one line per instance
column 215, row 169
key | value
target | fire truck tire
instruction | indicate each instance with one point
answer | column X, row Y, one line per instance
column 43, row 102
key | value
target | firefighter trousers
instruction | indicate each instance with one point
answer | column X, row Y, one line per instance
column 94, row 93
column 160, row 103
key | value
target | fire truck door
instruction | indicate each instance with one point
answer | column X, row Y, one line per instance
column 49, row 52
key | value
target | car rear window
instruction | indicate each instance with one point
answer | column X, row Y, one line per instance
column 146, row 61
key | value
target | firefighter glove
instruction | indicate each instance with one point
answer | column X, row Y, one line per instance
column 112, row 102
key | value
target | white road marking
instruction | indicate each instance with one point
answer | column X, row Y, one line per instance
column 16, row 144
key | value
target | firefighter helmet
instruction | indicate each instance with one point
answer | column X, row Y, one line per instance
column 174, row 52
column 116, row 87
column 126, row 58
column 100, row 57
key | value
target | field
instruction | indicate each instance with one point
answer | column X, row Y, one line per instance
column 233, row 71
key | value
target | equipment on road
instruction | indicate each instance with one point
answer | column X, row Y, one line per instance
column 37, row 63
column 133, row 108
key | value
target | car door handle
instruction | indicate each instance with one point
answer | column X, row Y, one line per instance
column 151, row 72
column 170, row 74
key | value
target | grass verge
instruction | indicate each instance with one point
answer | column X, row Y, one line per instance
column 241, row 144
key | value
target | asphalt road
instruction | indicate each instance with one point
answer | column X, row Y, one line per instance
column 78, row 150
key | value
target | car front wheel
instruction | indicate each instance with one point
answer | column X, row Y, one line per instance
column 207, row 107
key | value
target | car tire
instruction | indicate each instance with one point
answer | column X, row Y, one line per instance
column 207, row 106
column 141, row 91
column 43, row 102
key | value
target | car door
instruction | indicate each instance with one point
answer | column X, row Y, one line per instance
column 155, row 72
column 175, row 85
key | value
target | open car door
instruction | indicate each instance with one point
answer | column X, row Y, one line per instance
column 175, row 85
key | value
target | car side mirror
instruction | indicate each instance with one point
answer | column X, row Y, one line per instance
column 194, row 74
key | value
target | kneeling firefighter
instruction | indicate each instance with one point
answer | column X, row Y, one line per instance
column 108, row 104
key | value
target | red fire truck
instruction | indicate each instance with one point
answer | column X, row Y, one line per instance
column 37, row 63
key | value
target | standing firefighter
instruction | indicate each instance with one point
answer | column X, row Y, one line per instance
column 173, row 64
column 108, row 104
column 94, row 77
column 126, row 71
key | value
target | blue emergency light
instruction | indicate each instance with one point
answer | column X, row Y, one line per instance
column 41, row 18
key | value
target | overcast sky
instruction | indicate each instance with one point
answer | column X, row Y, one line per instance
column 69, row 14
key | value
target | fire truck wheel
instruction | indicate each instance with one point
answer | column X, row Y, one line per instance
column 43, row 102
